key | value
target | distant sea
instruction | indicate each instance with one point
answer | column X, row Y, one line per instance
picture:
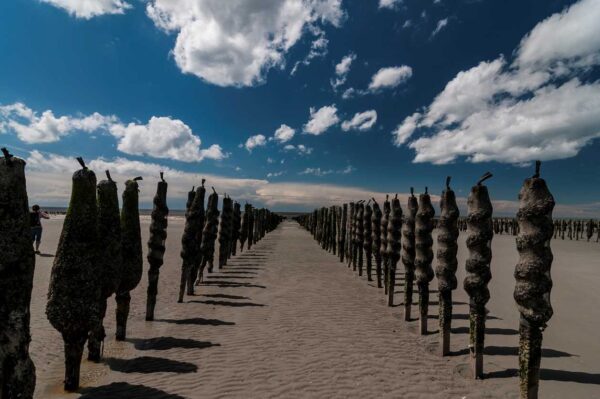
column 172, row 212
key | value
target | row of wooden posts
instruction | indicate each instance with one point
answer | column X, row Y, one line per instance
column 361, row 231
column 100, row 254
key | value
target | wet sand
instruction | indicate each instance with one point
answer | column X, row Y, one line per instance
column 286, row 319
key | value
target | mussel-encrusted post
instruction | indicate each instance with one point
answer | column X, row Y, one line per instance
column 156, row 244
column 209, row 234
column 225, row 230
column 251, row 222
column 342, row 237
column 244, row 226
column 368, row 239
column 384, row 232
column 351, row 234
column 109, row 260
column 424, row 256
column 393, row 246
column 360, row 234
column 131, row 254
column 376, row 239
column 479, row 240
column 190, row 250
column 532, row 290
column 447, row 263
column 408, row 252
column 237, row 223
column 199, row 217
column 74, row 292
column 17, row 263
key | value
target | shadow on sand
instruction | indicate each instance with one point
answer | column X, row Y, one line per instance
column 228, row 303
column 553, row 375
column 166, row 343
column 150, row 364
column 123, row 390
column 198, row 321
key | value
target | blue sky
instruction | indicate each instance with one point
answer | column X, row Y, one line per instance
column 189, row 86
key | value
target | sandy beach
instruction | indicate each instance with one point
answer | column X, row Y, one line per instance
column 286, row 319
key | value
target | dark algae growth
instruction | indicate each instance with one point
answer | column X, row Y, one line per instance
column 131, row 252
column 424, row 255
column 393, row 246
column 73, row 306
column 109, row 259
column 190, row 246
column 17, row 263
column 532, row 273
column 479, row 221
column 156, row 244
column 408, row 252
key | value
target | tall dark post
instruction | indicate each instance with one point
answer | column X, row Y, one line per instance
column 225, row 230
column 109, row 261
column 190, row 251
column 447, row 263
column 479, row 243
column 534, row 283
column 368, row 239
column 17, row 263
column 156, row 244
column 342, row 237
column 199, row 217
column 393, row 246
column 376, row 239
column 74, row 293
column 408, row 252
column 237, row 224
column 131, row 253
column 244, row 226
column 360, row 234
column 351, row 234
column 424, row 255
column 251, row 227
column 384, row 232
column 209, row 234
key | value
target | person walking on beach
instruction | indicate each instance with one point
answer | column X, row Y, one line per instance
column 35, row 217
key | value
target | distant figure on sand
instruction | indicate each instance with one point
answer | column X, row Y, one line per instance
column 35, row 223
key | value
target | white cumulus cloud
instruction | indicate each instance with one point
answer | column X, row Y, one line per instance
column 321, row 120
column 388, row 78
column 341, row 70
column 390, row 4
column 301, row 149
column 284, row 134
column 257, row 140
column 361, row 121
column 236, row 42
column 405, row 130
column 442, row 23
column 87, row 9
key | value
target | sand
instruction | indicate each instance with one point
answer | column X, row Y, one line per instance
column 288, row 320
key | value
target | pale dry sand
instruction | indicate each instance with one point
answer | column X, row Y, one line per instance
column 288, row 320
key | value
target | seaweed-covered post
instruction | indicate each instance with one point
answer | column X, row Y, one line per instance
column 17, row 263
column 376, row 239
column 350, row 254
column 131, row 253
column 251, row 222
column 244, row 226
column 447, row 263
column 532, row 290
column 342, row 237
column 109, row 263
column 368, row 239
column 199, row 217
column 209, row 234
column 190, row 249
column 225, row 230
column 479, row 243
column 393, row 246
column 237, row 223
column 408, row 252
column 424, row 255
column 74, row 292
column 360, row 234
column 156, row 244
column 384, row 232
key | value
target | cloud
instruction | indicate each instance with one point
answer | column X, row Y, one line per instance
column 88, row 9
column 163, row 137
column 535, row 108
column 318, row 49
column 442, row 23
column 342, row 69
column 301, row 149
column 284, row 134
column 324, row 172
column 361, row 121
column 388, row 78
column 47, row 128
column 275, row 174
column 321, row 120
column 258, row 140
column 235, row 43
column 389, row 4
column 404, row 130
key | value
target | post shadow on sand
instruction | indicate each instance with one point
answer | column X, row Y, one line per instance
column 213, row 277
column 166, row 343
column 225, row 296
column 237, row 271
column 553, row 375
column 461, row 316
column 514, row 351
column 229, row 303
column 197, row 321
column 488, row 330
column 123, row 390
column 150, row 364
column 227, row 284
column 42, row 255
